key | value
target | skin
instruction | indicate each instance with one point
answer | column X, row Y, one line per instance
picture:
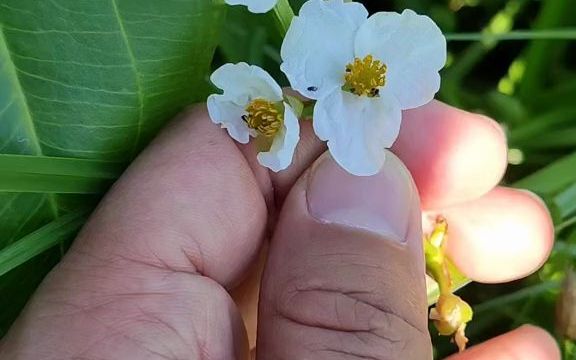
column 150, row 275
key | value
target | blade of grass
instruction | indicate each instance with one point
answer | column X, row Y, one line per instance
column 555, row 139
column 60, row 166
column 500, row 23
column 25, row 173
column 566, row 223
column 530, row 131
column 40, row 240
column 54, row 184
column 540, row 56
column 519, row 295
column 552, row 178
column 566, row 201
column 551, row 34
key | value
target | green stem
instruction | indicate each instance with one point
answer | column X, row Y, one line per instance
column 552, row 34
column 283, row 15
column 308, row 110
column 458, row 282
column 566, row 223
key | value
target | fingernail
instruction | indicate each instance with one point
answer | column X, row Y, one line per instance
column 381, row 203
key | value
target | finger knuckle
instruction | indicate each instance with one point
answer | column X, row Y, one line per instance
column 353, row 323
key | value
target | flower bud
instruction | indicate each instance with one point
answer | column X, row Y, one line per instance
column 450, row 317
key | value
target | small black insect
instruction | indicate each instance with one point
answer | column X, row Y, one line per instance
column 245, row 118
column 312, row 88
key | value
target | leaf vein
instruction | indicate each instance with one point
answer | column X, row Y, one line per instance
column 56, row 147
column 8, row 104
column 18, row 10
column 41, row 98
column 8, row 203
column 63, row 32
column 69, row 62
column 30, row 215
column 29, row 122
column 92, row 126
column 58, row 6
column 183, row 41
column 136, row 74
column 70, row 86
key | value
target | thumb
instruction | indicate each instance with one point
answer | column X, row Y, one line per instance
column 345, row 274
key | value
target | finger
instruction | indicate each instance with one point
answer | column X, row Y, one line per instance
column 147, row 275
column 345, row 273
column 505, row 235
column 526, row 343
column 453, row 155
column 276, row 185
column 443, row 175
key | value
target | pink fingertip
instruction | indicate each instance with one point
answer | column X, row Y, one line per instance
column 505, row 235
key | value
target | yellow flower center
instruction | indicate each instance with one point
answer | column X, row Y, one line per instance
column 264, row 117
column 365, row 76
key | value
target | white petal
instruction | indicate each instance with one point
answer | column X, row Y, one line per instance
column 227, row 113
column 255, row 6
column 242, row 83
column 280, row 155
column 413, row 49
column 358, row 129
column 319, row 44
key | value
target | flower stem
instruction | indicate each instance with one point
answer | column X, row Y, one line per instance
column 308, row 110
column 451, row 314
column 283, row 15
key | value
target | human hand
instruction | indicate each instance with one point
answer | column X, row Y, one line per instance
column 149, row 276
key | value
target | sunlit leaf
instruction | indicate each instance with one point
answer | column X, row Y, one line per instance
column 91, row 79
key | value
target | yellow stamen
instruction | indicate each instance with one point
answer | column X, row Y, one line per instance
column 365, row 76
column 264, row 117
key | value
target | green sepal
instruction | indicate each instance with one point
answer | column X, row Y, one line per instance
column 295, row 104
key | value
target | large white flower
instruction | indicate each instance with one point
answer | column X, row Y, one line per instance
column 363, row 71
column 255, row 6
column 252, row 105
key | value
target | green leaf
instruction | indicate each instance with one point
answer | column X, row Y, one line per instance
column 552, row 178
column 548, row 34
column 542, row 56
column 24, row 173
column 252, row 38
column 283, row 15
column 566, row 201
column 46, row 165
column 93, row 80
column 532, row 130
column 39, row 241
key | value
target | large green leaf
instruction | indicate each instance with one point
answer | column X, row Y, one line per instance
column 91, row 79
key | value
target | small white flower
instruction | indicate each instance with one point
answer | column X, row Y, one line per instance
column 252, row 105
column 255, row 6
column 363, row 71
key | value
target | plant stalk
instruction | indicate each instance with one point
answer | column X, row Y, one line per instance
column 283, row 15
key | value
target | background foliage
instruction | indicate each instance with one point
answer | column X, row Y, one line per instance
column 92, row 81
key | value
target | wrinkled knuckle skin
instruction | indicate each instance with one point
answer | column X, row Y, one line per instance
column 340, row 324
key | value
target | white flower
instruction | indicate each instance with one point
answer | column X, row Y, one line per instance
column 362, row 71
column 255, row 6
column 252, row 105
